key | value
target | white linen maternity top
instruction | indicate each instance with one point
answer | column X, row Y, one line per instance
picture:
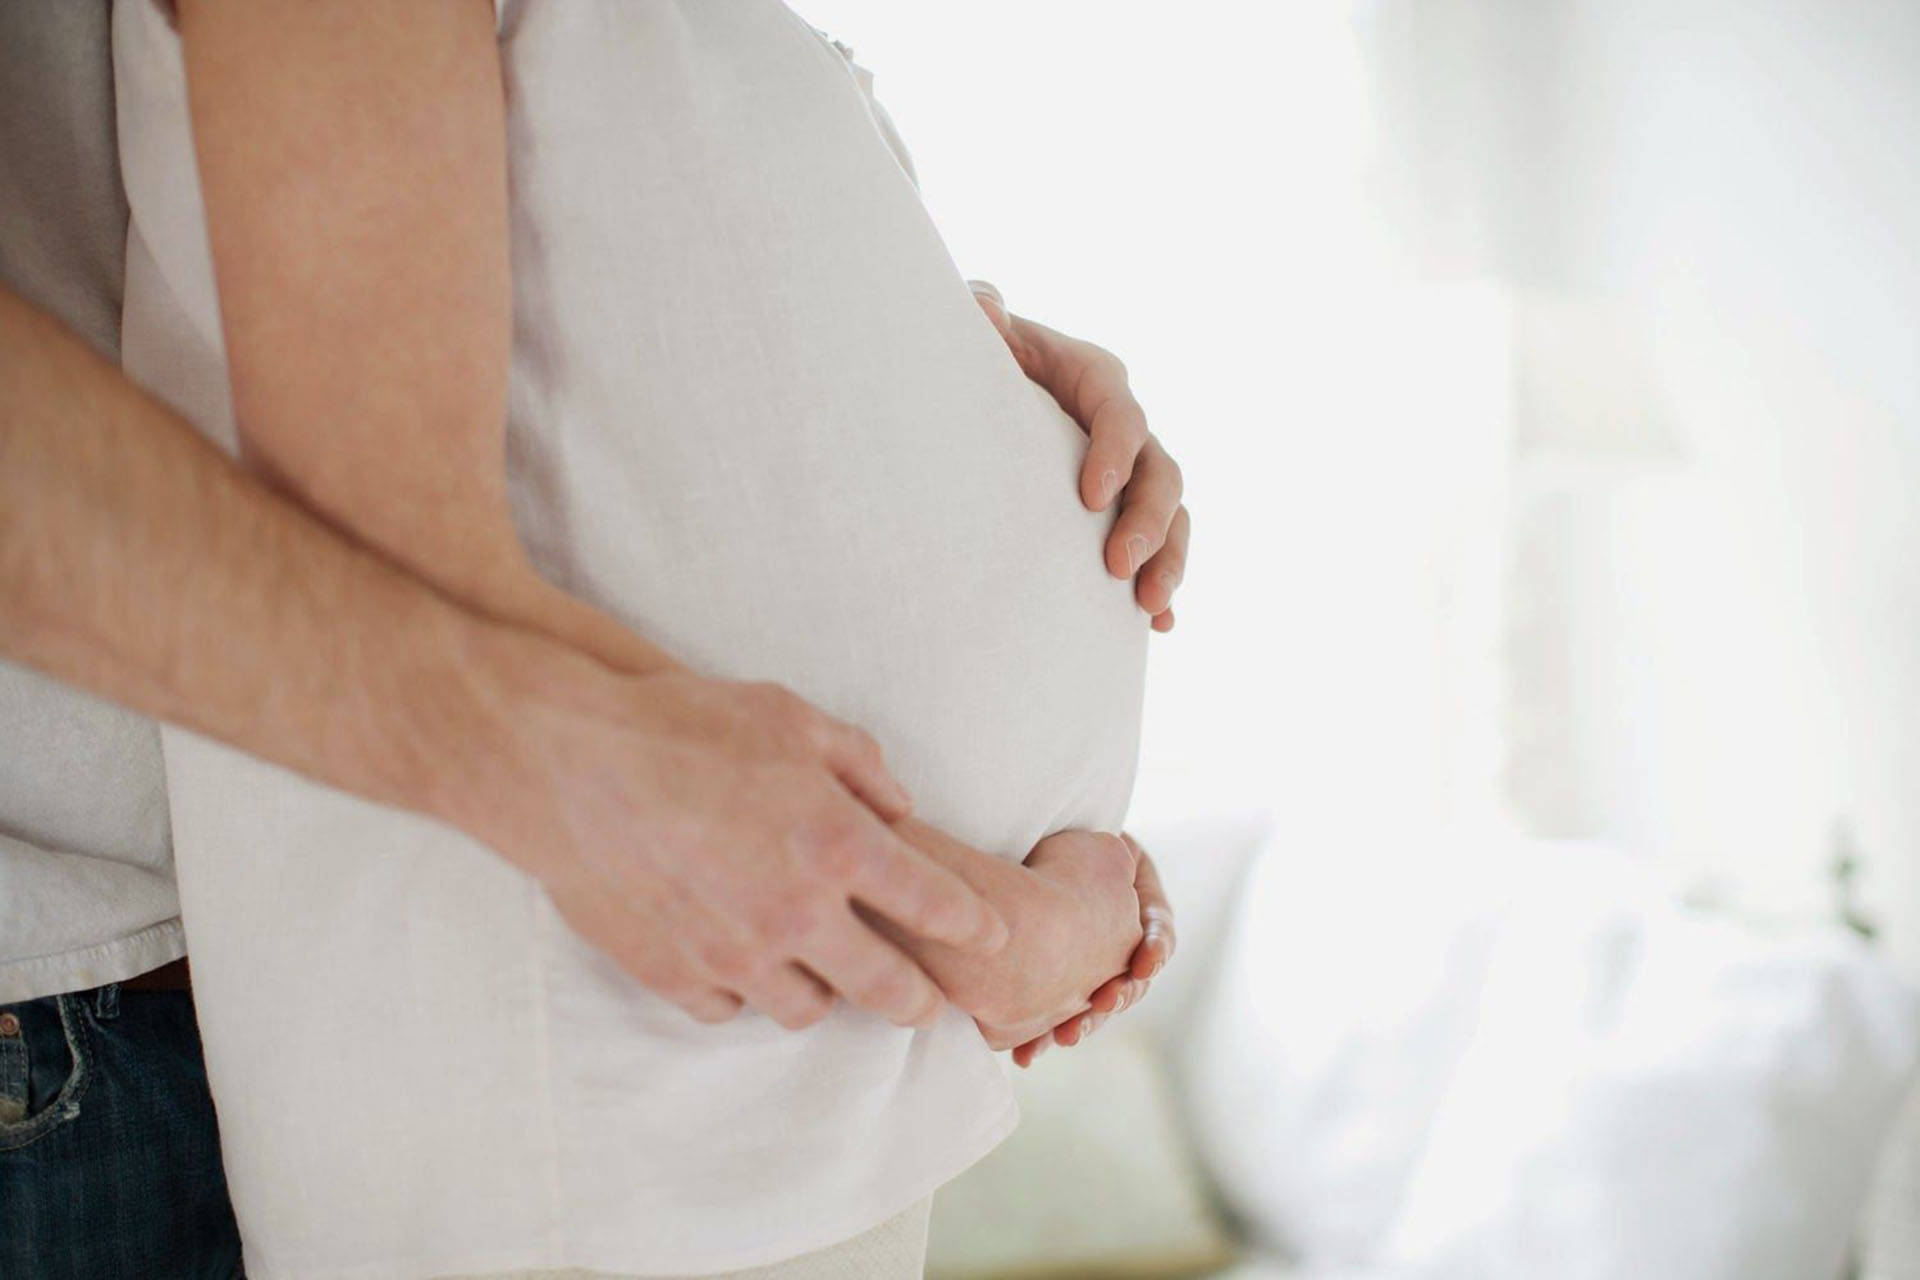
column 756, row 414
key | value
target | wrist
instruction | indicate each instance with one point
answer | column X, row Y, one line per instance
column 474, row 722
column 508, row 687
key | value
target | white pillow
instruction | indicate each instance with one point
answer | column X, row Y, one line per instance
column 1345, row 992
column 1654, row 1094
column 1527, row 1062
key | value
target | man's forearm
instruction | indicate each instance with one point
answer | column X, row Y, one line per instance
column 140, row 563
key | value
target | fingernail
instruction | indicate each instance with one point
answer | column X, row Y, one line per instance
column 1136, row 553
column 1109, row 483
column 1086, row 1027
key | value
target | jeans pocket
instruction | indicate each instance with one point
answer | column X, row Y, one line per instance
column 27, row 1034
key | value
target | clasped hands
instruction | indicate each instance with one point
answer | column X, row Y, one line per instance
column 616, row 778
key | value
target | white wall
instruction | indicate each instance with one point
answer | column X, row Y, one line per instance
column 1657, row 255
column 1736, row 618
column 1186, row 186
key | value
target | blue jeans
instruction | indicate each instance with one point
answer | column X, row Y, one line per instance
column 109, row 1153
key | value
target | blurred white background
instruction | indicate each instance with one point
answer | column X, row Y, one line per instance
column 1547, row 379
column 1546, row 374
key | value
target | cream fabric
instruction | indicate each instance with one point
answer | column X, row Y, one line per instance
column 894, row 1250
column 757, row 414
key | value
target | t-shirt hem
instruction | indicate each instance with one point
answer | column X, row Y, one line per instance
column 905, row 1194
column 79, row 970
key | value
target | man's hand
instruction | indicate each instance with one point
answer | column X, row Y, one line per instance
column 1124, row 460
column 1129, row 987
column 714, row 839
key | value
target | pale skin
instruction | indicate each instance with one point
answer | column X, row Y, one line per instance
column 138, row 562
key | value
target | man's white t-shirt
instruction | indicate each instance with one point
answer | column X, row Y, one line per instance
column 757, row 415
column 86, row 865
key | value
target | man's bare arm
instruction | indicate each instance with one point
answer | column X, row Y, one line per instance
column 138, row 562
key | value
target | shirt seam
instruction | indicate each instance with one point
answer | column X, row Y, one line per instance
column 93, row 965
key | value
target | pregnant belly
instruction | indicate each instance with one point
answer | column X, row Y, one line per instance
column 758, row 416
column 935, row 581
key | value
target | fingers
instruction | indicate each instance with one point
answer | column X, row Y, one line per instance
column 873, row 974
column 1122, row 457
column 1111, row 995
column 850, row 754
column 1160, row 576
column 1156, row 918
column 1071, row 1033
column 707, row 1004
column 1147, row 513
column 1116, row 429
column 856, row 760
column 790, row 996
column 912, row 891
column 1115, row 995
column 646, row 952
column 1090, row 383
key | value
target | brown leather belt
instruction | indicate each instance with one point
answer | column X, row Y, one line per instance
column 168, row 977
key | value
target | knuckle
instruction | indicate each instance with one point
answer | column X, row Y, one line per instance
column 770, row 695
column 728, row 960
column 1122, row 427
column 790, row 917
column 1010, row 1013
column 866, row 747
column 1176, row 555
column 893, row 991
column 1114, row 856
column 1176, row 477
column 923, row 1005
column 646, row 967
column 835, row 849
column 787, row 714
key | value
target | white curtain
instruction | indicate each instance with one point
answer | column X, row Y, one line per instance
column 1707, row 213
